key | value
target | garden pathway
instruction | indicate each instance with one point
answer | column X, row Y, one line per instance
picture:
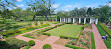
column 99, row 43
column 39, row 44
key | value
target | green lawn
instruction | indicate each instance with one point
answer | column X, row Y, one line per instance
column 102, row 33
column 66, row 30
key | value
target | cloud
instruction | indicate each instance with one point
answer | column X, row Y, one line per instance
column 66, row 10
column 14, row 7
column 21, row 5
column 55, row 5
column 18, row 0
column 68, row 6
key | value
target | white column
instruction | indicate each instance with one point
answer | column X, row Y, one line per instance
column 96, row 20
column 84, row 20
column 60, row 20
column 64, row 19
column 79, row 20
column 90, row 20
column 73, row 20
column 68, row 20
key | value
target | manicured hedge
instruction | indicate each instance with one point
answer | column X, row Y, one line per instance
column 10, row 32
column 31, row 43
column 28, row 36
column 74, row 47
column 67, row 37
column 47, row 46
column 108, row 31
column 93, row 41
column 27, row 47
column 15, row 43
column 48, row 34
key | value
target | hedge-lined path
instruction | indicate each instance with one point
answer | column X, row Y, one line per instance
column 39, row 44
column 99, row 43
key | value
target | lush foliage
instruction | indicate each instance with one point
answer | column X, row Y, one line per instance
column 15, row 43
column 29, row 35
column 74, row 47
column 102, row 33
column 88, row 26
column 27, row 47
column 47, row 46
column 31, row 43
column 10, row 32
column 92, row 41
column 108, row 31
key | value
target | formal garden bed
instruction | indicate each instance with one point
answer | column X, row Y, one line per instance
column 39, row 34
column 66, row 30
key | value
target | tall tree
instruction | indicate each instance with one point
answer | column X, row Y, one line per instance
column 89, row 11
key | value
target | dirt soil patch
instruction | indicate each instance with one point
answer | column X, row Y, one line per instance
column 62, row 41
column 41, row 37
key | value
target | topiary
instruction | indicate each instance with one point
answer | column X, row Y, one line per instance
column 31, row 43
column 47, row 46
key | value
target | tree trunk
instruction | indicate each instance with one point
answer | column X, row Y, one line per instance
column 46, row 18
column 50, row 15
column 34, row 18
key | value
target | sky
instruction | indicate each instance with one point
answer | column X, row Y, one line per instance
column 67, row 5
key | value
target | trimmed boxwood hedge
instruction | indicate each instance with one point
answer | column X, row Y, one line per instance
column 47, row 46
column 108, row 31
column 15, row 43
column 31, row 43
column 10, row 32
column 74, row 47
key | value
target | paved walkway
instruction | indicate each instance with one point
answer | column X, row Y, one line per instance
column 39, row 44
column 99, row 43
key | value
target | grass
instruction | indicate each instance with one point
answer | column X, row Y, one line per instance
column 66, row 30
column 27, row 47
column 28, row 36
column 102, row 33
column 93, row 41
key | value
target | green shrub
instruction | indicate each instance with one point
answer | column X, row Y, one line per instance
column 36, row 24
column 108, row 31
column 10, row 32
column 15, row 43
column 74, row 47
column 29, row 35
column 47, row 46
column 31, row 43
column 66, row 37
column 41, row 23
column 48, row 34
column 27, row 47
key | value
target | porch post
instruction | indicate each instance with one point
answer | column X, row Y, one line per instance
column 79, row 20
column 73, row 20
column 96, row 20
column 84, row 20
column 60, row 20
column 64, row 19
column 90, row 20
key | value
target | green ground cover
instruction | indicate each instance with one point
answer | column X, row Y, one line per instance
column 92, row 41
column 102, row 33
column 66, row 30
